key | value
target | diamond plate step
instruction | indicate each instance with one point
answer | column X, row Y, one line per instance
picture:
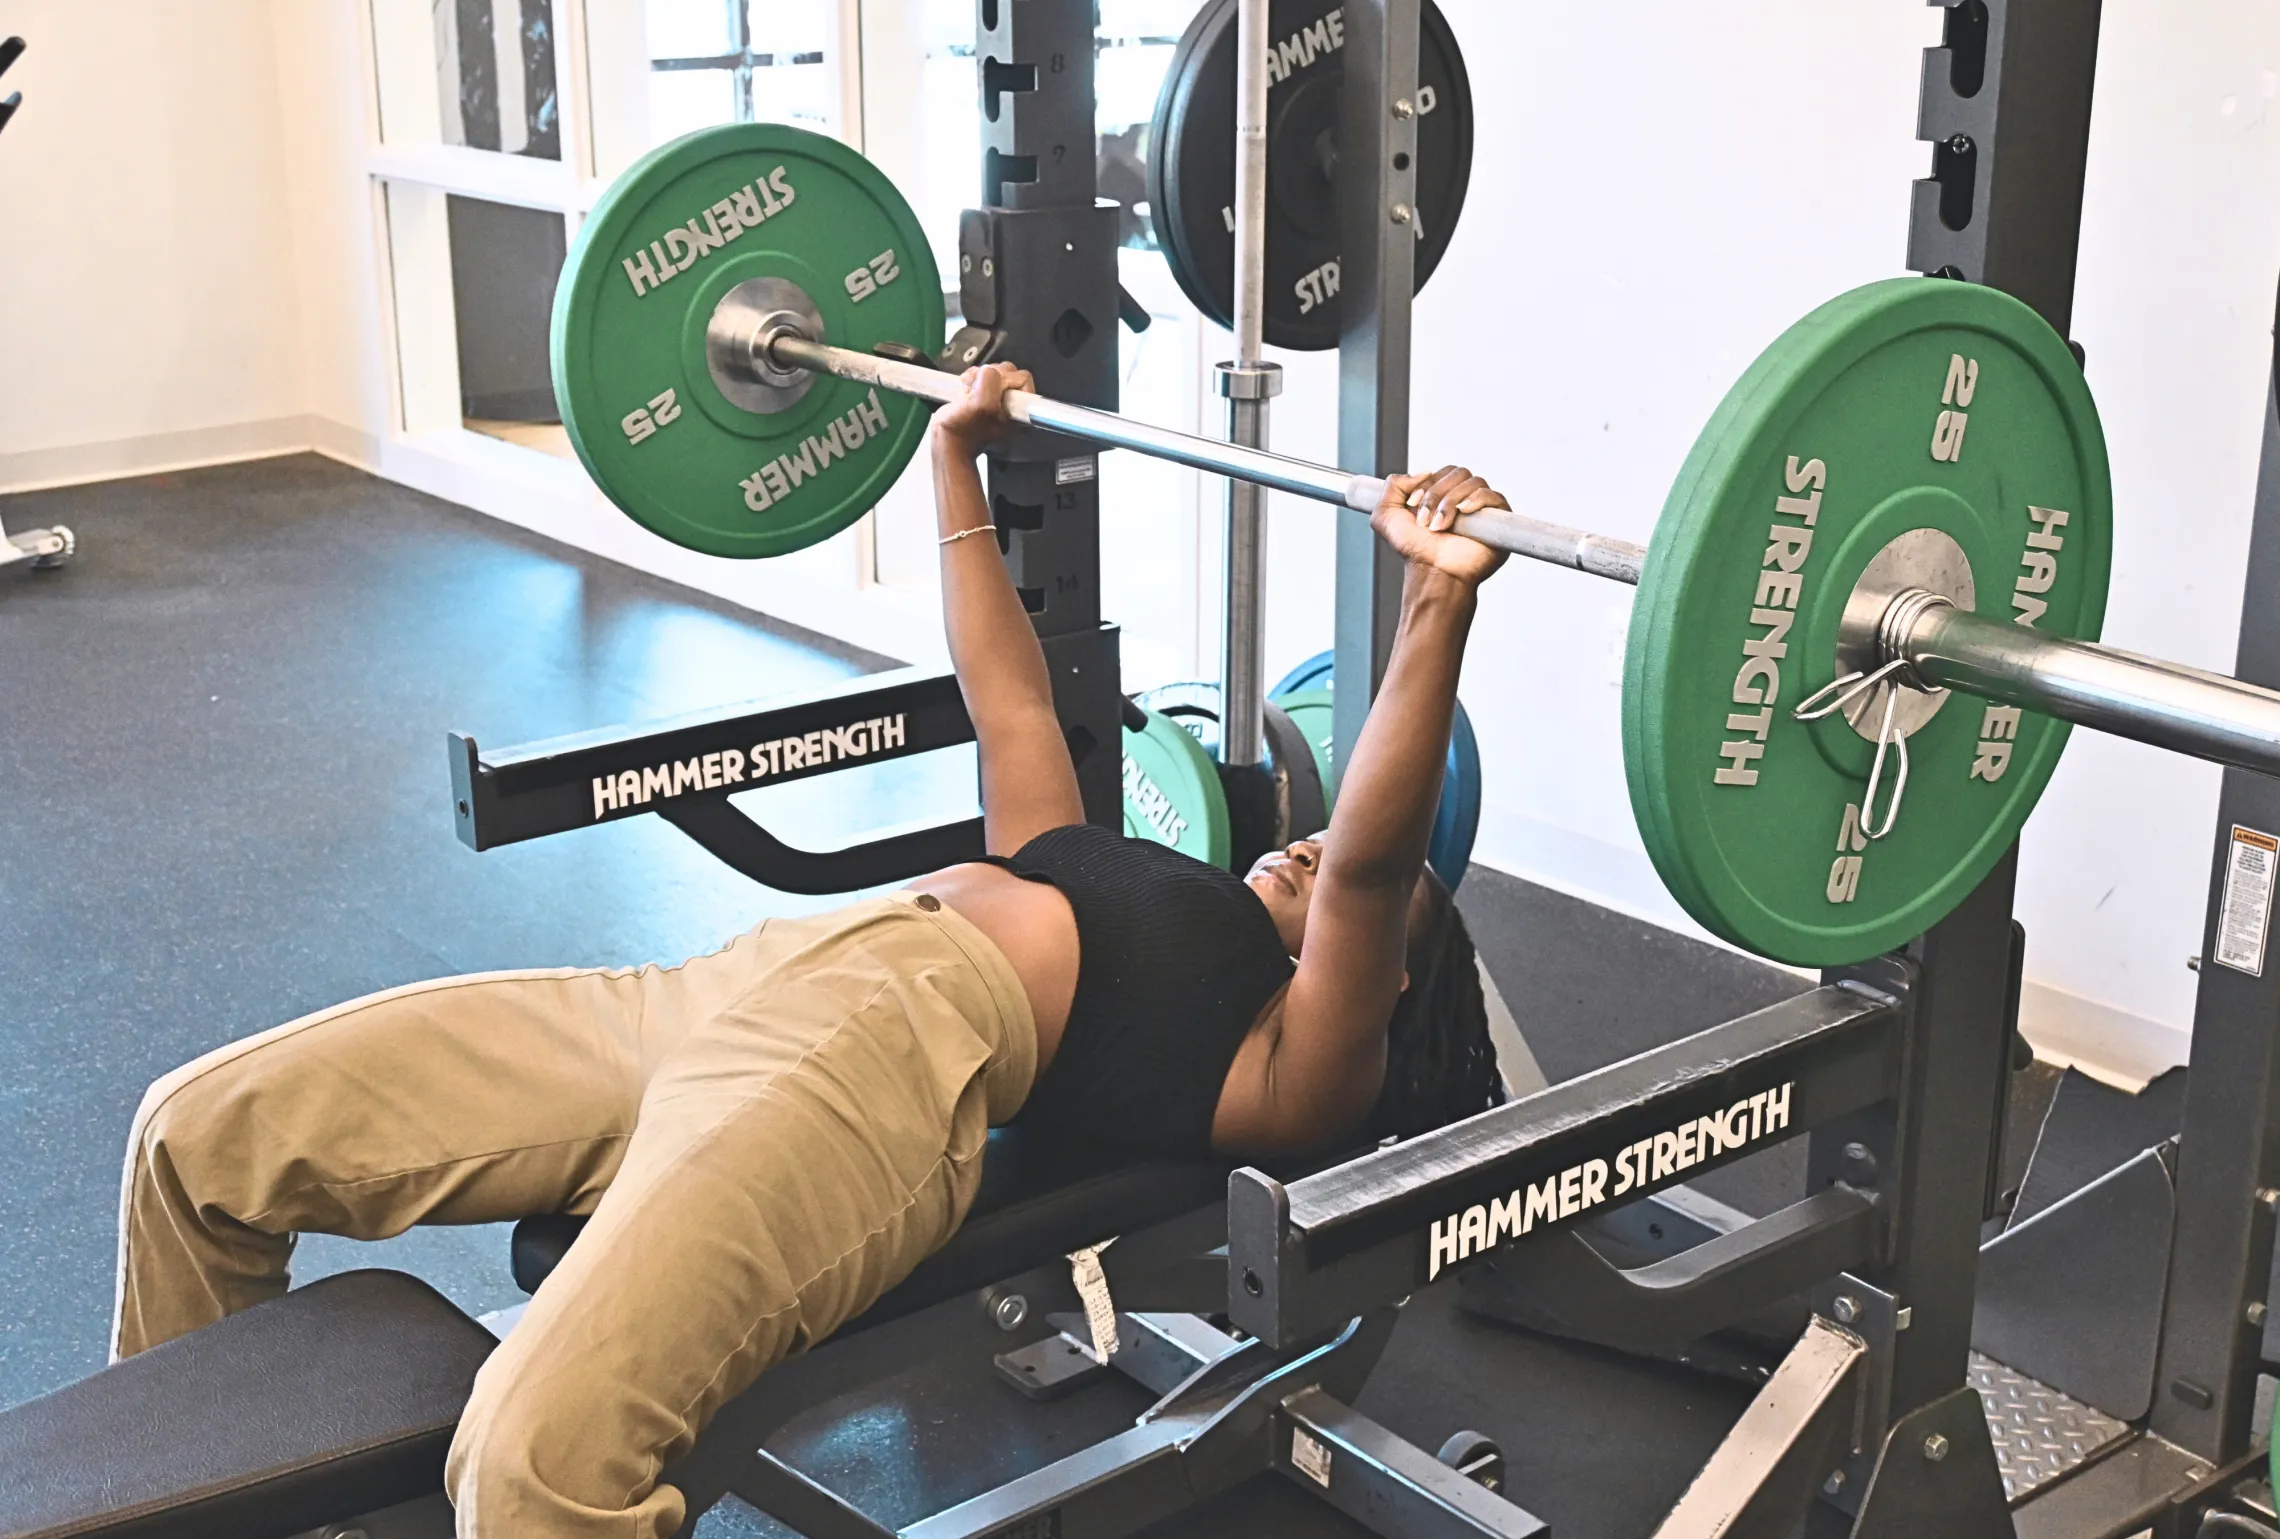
column 2040, row 1434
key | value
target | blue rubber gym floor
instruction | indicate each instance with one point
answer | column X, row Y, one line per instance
column 223, row 803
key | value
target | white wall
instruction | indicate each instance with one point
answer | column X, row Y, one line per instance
column 320, row 58
column 147, row 284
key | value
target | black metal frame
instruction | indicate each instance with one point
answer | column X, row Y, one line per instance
column 551, row 787
column 2006, row 103
column 2010, row 157
column 685, row 769
column 1227, row 1409
column 1307, row 1257
column 1037, row 283
column 1377, row 285
column 2228, row 1170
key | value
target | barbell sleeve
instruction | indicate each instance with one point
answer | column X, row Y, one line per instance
column 2169, row 705
column 2186, row 710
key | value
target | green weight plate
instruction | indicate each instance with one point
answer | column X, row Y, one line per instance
column 1909, row 405
column 785, row 220
column 1171, row 791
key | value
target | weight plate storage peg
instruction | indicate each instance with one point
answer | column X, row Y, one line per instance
column 1191, row 162
column 683, row 260
column 1171, row 791
column 1915, row 434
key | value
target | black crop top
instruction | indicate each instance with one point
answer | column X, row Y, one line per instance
column 1176, row 958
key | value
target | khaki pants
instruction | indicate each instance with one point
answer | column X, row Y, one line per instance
column 768, row 1138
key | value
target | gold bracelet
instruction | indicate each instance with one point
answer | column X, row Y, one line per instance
column 952, row 539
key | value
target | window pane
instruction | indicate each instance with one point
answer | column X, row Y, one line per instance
column 504, row 263
column 1135, row 49
column 684, row 100
column 763, row 60
column 786, row 92
column 1120, row 19
column 1126, row 80
column 495, row 75
column 688, row 29
column 781, row 27
column 1149, row 582
column 950, row 144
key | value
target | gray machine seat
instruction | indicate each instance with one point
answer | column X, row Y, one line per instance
column 1039, row 1200
column 335, row 1399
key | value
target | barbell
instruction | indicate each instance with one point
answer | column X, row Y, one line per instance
column 1905, row 498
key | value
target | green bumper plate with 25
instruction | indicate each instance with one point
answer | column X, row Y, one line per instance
column 1912, row 433
column 1172, row 793
column 679, row 266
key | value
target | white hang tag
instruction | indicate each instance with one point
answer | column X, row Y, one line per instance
column 1092, row 1287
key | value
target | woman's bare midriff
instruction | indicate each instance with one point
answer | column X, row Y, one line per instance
column 1032, row 924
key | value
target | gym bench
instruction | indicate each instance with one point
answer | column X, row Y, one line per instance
column 339, row 1399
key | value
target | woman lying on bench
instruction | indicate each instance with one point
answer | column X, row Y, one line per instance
column 771, row 1136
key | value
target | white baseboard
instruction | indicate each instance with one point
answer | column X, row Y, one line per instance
column 2112, row 1046
column 351, row 446
column 31, row 470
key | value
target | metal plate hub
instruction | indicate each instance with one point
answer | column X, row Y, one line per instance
column 741, row 323
column 1922, row 559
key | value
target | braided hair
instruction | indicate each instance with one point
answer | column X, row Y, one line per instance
column 1439, row 1063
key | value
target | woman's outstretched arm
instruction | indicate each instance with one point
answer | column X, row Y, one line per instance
column 1029, row 783
column 1328, row 1056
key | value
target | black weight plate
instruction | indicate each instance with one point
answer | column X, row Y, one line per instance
column 1191, row 162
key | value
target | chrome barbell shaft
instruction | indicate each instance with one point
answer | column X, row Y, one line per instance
column 1537, row 539
column 2169, row 705
column 2186, row 710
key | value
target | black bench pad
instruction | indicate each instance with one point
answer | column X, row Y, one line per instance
column 1038, row 1202
column 336, row 1399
